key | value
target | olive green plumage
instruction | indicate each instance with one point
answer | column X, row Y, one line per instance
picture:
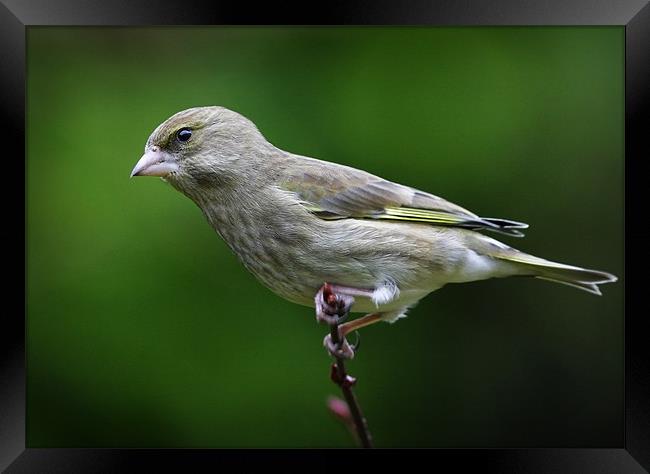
column 297, row 222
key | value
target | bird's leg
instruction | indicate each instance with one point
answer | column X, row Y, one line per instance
column 344, row 349
column 333, row 302
column 351, row 291
column 367, row 320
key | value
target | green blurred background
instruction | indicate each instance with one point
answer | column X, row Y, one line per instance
column 143, row 328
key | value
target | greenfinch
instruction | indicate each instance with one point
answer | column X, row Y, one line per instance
column 297, row 222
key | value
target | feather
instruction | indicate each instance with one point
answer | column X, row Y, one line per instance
column 332, row 191
column 577, row 277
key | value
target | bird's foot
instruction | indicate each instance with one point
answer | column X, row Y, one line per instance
column 343, row 350
column 332, row 308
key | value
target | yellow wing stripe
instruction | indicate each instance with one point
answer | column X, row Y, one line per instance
column 401, row 214
column 403, row 218
column 423, row 215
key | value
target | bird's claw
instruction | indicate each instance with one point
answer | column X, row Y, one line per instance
column 343, row 350
column 332, row 308
column 356, row 345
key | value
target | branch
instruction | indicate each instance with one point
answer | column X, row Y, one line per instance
column 341, row 378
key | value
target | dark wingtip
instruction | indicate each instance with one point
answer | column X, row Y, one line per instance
column 507, row 231
column 504, row 226
column 505, row 223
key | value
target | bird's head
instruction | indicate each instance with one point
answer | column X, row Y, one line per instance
column 200, row 145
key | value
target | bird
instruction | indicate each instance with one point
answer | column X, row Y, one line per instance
column 303, row 226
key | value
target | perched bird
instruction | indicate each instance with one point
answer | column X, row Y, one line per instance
column 297, row 222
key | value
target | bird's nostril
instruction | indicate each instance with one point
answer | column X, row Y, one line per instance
column 155, row 149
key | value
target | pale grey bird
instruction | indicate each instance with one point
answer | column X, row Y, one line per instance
column 297, row 222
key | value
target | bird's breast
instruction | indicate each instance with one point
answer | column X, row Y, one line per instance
column 276, row 252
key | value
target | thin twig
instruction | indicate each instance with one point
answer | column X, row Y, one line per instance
column 341, row 378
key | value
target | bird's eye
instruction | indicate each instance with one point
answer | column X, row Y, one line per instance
column 184, row 134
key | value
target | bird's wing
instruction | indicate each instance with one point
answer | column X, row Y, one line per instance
column 332, row 191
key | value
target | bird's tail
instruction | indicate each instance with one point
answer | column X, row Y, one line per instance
column 582, row 278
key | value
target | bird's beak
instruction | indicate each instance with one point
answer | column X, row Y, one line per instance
column 155, row 162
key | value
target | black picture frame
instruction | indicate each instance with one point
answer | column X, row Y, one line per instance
column 633, row 455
